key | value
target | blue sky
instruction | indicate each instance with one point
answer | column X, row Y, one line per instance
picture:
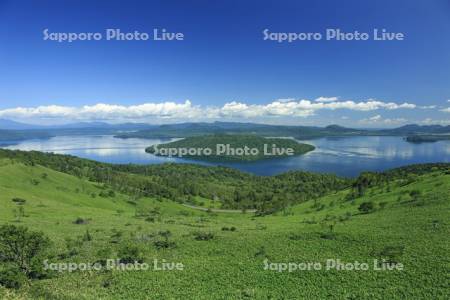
column 223, row 69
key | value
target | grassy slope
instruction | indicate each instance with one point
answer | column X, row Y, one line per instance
column 231, row 265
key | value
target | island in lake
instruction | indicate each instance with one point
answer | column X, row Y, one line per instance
column 427, row 138
column 230, row 148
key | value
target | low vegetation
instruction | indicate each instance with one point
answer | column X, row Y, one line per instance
column 223, row 254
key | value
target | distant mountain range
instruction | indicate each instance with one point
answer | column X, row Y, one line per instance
column 196, row 129
column 11, row 130
column 13, row 125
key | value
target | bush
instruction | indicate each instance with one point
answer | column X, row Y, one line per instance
column 80, row 221
column 129, row 253
column 12, row 278
column 366, row 207
column 203, row 236
column 150, row 219
column 261, row 252
column 328, row 235
column 392, row 253
column 232, row 228
column 19, row 201
column 164, row 244
column 23, row 249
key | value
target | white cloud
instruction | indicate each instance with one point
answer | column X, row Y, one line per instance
column 428, row 107
column 188, row 111
column 379, row 120
column 429, row 121
column 326, row 99
column 446, row 109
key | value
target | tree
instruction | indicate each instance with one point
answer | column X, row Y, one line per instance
column 22, row 248
column 366, row 207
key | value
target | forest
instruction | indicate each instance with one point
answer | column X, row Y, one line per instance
column 183, row 182
column 231, row 188
column 227, row 147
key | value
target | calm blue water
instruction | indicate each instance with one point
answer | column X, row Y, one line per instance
column 347, row 156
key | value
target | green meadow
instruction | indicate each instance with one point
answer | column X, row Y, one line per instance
column 226, row 255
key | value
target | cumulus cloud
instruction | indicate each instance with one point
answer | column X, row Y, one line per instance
column 187, row 111
column 378, row 119
column 446, row 110
column 429, row 121
column 375, row 118
column 326, row 99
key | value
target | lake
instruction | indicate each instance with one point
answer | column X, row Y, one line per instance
column 346, row 156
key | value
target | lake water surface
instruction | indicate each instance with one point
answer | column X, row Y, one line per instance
column 346, row 156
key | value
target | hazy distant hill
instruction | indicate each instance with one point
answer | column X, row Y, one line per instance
column 197, row 129
column 180, row 130
column 80, row 128
column 417, row 129
column 18, row 135
column 13, row 125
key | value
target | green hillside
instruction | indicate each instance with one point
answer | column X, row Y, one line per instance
column 224, row 253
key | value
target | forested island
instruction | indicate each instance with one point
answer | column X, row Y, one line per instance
column 224, row 147
column 427, row 138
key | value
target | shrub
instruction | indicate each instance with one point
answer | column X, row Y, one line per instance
column 328, row 235
column 80, row 221
column 23, row 249
column 19, row 201
column 203, row 236
column 232, row 228
column 164, row 244
column 261, row 252
column 12, row 278
column 366, row 207
column 392, row 253
column 129, row 253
